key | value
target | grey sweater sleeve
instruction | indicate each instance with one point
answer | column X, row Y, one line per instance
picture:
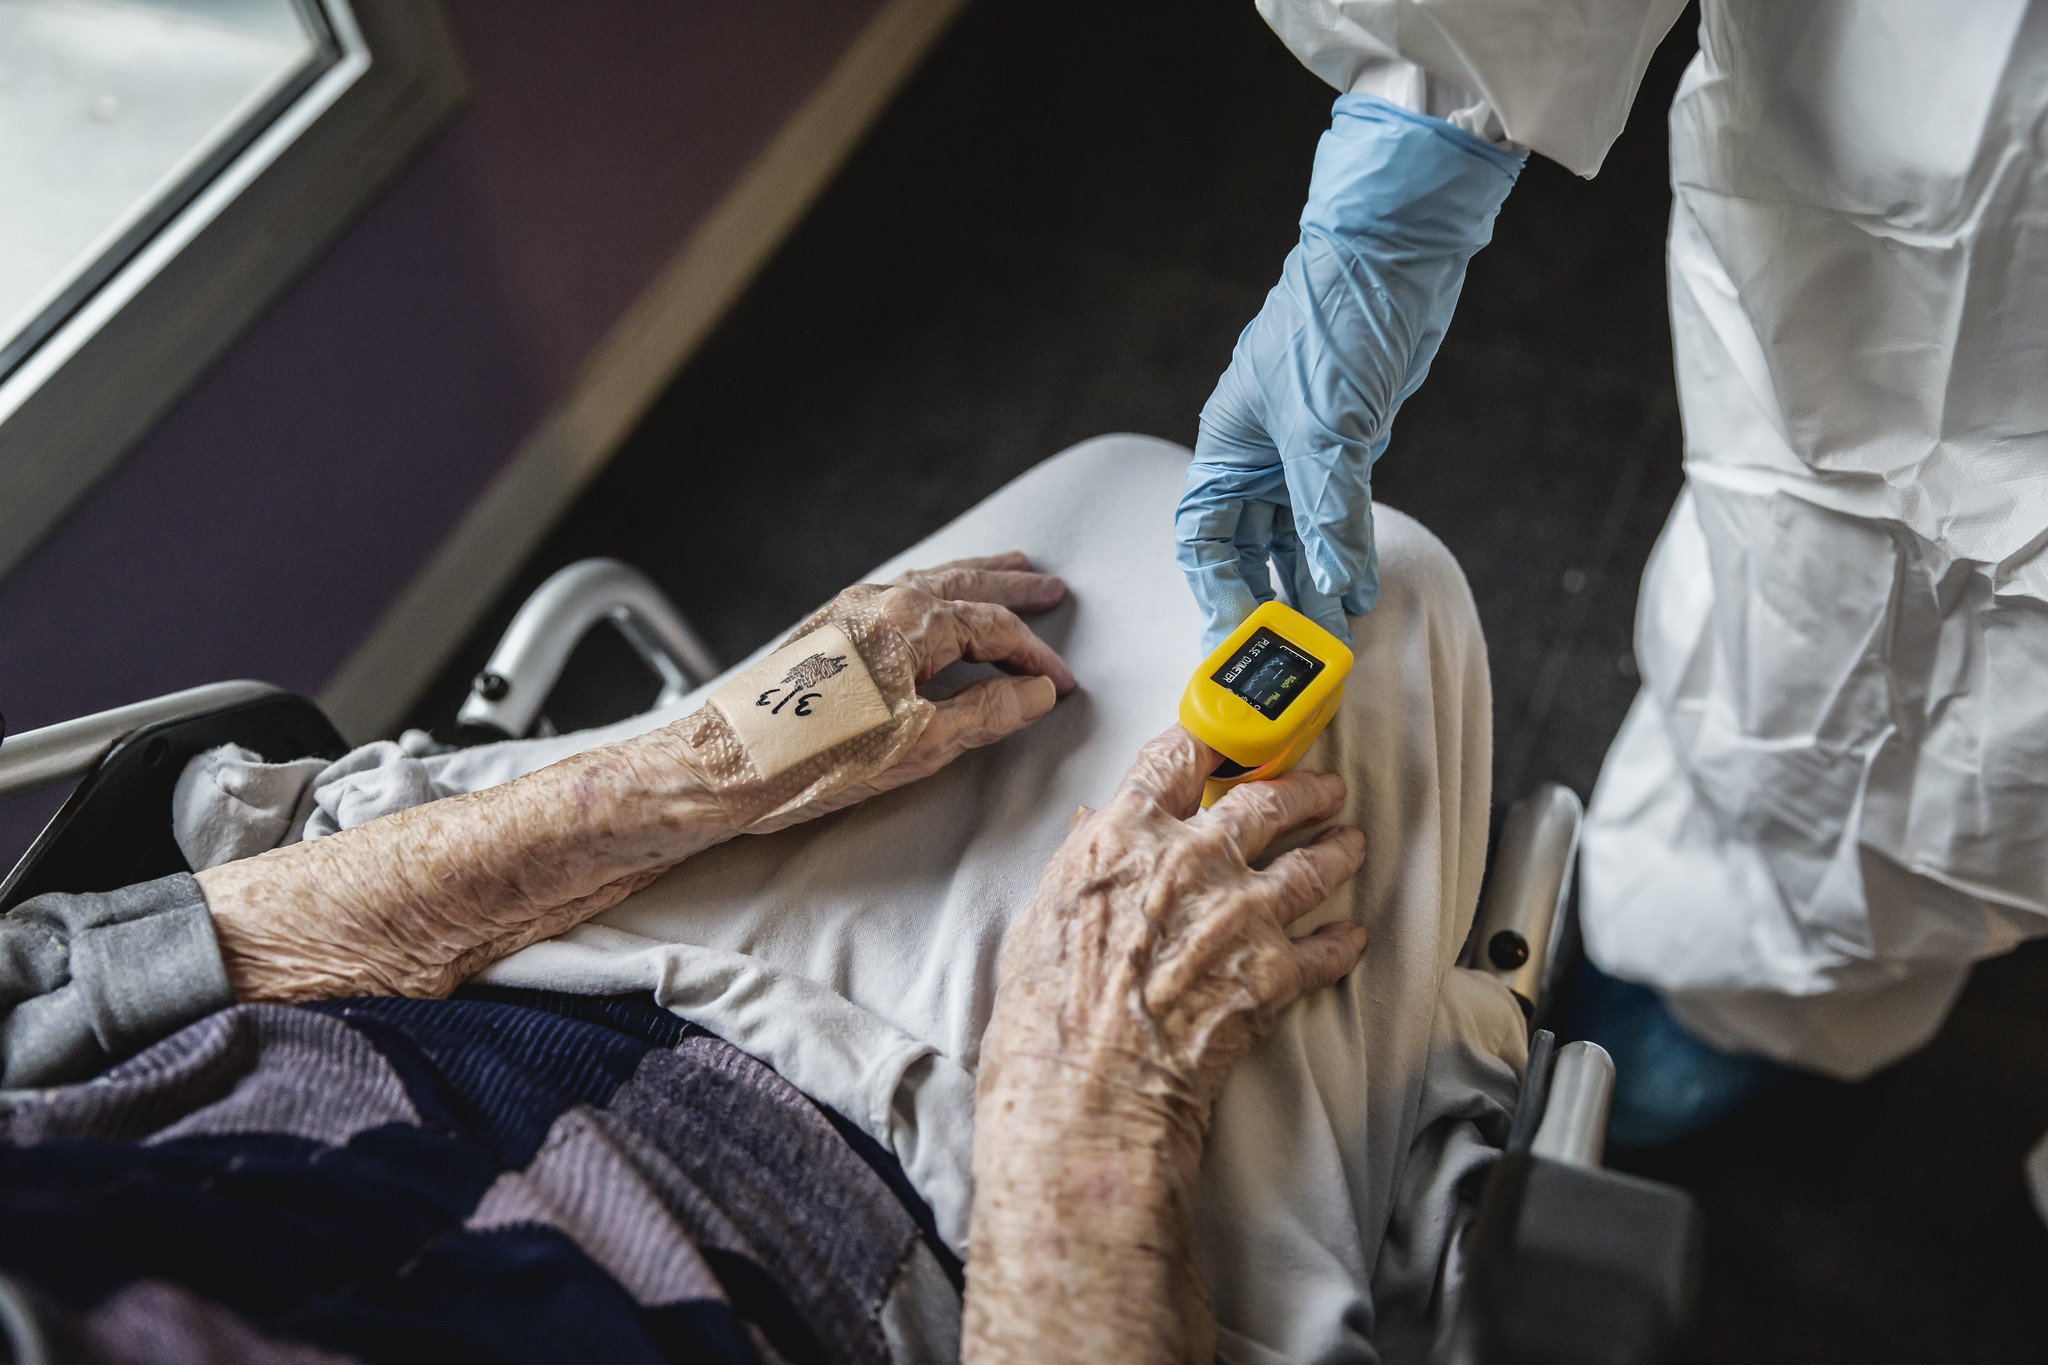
column 85, row 980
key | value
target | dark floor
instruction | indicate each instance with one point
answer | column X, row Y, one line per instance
column 1887, row 1221
column 1058, row 231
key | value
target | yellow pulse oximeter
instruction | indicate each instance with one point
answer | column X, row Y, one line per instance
column 1262, row 698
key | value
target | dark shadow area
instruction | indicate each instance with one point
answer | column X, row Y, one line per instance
column 1058, row 231
column 1886, row 1221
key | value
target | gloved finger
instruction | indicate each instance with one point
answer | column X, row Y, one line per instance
column 1321, row 608
column 1011, row 588
column 1168, row 773
column 1306, row 598
column 1255, row 813
column 1328, row 955
column 1254, row 546
column 988, row 634
column 1285, row 550
column 1208, row 527
column 1224, row 601
column 1220, row 528
column 1331, row 497
column 1232, row 429
column 1299, row 880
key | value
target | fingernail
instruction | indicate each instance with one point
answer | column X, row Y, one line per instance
column 1050, row 694
column 1080, row 813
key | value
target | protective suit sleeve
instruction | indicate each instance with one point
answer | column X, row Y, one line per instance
column 1282, row 475
column 1551, row 77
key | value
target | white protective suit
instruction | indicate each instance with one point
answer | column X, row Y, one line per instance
column 1831, row 795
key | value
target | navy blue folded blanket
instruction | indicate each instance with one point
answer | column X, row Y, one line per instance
column 507, row 1176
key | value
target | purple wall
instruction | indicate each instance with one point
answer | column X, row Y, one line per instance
column 262, row 529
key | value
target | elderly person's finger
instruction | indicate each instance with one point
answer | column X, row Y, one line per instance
column 983, row 713
column 1256, row 813
column 1008, row 559
column 1168, row 773
column 1327, row 956
column 1008, row 588
column 989, row 634
column 1005, row 580
column 1301, row 879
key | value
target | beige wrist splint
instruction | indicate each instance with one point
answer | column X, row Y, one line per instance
column 834, row 706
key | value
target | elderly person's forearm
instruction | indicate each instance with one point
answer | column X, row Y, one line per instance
column 415, row 902
column 1082, row 1237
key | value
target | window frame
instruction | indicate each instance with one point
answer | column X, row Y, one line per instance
column 103, row 378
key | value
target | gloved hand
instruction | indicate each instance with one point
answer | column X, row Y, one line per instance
column 1283, row 467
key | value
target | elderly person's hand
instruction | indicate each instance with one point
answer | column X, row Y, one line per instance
column 963, row 610
column 418, row 901
column 1152, row 955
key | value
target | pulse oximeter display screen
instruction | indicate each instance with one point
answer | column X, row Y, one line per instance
column 1268, row 672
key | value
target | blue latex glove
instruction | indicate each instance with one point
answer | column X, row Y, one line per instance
column 1283, row 466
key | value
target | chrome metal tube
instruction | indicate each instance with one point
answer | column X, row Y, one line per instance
column 530, row 656
column 1521, row 909
column 63, row 752
column 1574, row 1127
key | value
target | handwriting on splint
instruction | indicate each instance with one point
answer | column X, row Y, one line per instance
column 807, row 673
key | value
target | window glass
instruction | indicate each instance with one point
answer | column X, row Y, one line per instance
column 113, row 114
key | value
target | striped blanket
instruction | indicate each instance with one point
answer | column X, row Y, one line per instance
column 506, row 1176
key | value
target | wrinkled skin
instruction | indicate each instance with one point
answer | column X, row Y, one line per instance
column 963, row 610
column 1152, row 955
column 420, row 900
